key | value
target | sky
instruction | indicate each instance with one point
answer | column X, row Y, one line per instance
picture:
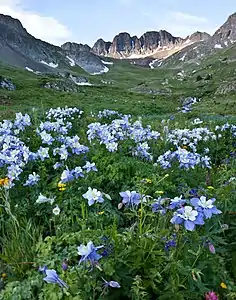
column 85, row 21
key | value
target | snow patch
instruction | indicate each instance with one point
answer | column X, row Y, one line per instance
column 181, row 73
column 107, row 62
column 51, row 64
column 28, row 69
column 152, row 63
column 104, row 70
column 31, row 70
column 226, row 43
column 71, row 61
column 183, row 57
column 218, row 46
column 195, row 48
column 83, row 83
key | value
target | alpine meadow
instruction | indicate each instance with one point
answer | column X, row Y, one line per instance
column 118, row 166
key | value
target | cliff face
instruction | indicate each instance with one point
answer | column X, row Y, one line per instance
column 101, row 47
column 125, row 45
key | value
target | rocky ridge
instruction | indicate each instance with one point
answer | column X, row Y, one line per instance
column 157, row 44
column 19, row 48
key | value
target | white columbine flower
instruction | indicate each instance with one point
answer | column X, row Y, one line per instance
column 44, row 199
column 56, row 210
column 93, row 195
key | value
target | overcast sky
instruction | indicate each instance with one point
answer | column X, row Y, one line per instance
column 84, row 21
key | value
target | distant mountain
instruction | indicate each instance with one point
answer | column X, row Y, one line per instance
column 157, row 44
column 19, row 48
column 152, row 49
column 224, row 37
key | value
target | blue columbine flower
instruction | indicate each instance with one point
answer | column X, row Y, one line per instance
column 93, row 195
column 205, row 206
column 57, row 165
column 67, row 176
column 32, row 179
column 158, row 206
column 177, row 202
column 78, row 172
column 43, row 153
column 113, row 284
column 89, row 253
column 52, row 277
column 90, row 167
column 187, row 216
column 130, row 198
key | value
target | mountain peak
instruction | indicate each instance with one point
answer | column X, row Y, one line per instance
column 69, row 46
column 199, row 36
column 13, row 24
column 227, row 32
column 124, row 45
column 232, row 17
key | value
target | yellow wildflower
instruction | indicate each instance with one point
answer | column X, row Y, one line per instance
column 184, row 147
column 210, row 187
column 4, row 276
column 61, row 186
column 146, row 180
column 160, row 192
column 4, row 181
column 100, row 212
column 223, row 285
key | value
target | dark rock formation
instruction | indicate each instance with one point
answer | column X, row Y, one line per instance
column 226, row 87
column 198, row 36
column 101, row 47
column 61, row 86
column 227, row 32
column 74, row 47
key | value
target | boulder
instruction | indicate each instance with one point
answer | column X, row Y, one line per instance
column 7, row 84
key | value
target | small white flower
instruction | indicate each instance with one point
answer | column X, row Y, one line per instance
column 197, row 121
column 56, row 210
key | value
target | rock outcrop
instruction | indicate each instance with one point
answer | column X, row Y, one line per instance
column 7, row 84
column 124, row 45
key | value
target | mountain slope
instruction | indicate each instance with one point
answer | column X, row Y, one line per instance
column 224, row 37
column 19, row 48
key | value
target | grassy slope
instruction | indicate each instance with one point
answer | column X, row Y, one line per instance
column 117, row 95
